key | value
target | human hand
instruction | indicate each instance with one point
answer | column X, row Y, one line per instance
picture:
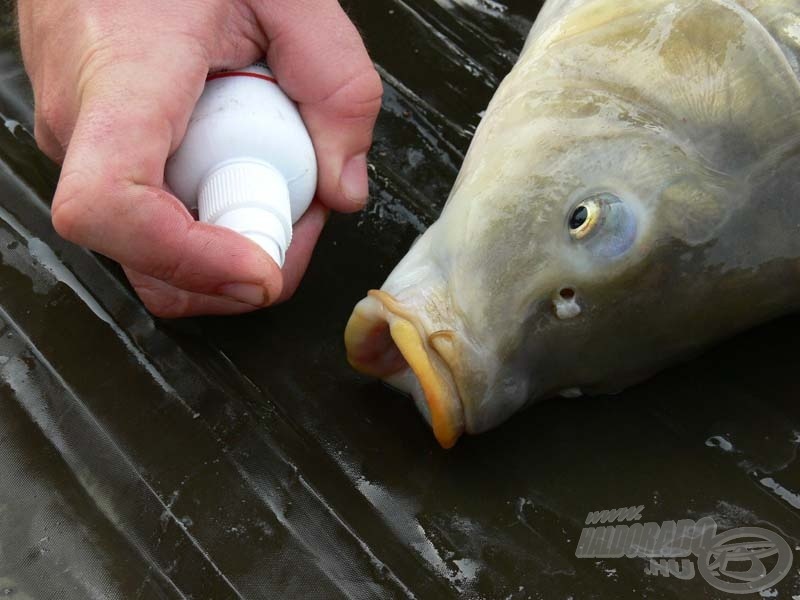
column 115, row 83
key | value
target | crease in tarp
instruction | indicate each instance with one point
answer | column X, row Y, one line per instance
column 76, row 459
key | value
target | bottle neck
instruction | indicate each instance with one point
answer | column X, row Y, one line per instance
column 251, row 197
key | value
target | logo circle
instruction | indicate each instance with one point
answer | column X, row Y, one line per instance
column 744, row 546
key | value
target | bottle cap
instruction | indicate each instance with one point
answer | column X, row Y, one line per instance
column 250, row 197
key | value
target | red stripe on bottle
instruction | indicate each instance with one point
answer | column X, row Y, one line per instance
column 225, row 74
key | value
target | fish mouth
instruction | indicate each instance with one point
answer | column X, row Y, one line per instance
column 384, row 339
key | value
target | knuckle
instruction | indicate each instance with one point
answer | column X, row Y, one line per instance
column 63, row 223
column 372, row 91
column 173, row 307
column 359, row 95
column 68, row 211
column 168, row 270
column 373, row 85
column 163, row 304
column 101, row 54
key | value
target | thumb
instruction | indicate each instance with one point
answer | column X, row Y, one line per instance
column 320, row 61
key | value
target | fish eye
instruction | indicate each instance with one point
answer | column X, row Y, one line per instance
column 604, row 224
column 584, row 218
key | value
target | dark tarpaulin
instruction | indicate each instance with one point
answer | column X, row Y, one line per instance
column 242, row 458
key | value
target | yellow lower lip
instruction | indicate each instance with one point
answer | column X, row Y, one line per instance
column 373, row 352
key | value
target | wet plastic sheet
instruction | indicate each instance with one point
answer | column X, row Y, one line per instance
column 242, row 458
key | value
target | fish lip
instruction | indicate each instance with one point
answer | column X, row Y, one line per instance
column 384, row 339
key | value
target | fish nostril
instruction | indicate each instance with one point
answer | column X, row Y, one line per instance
column 565, row 304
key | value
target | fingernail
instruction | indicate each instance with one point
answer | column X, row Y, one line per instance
column 355, row 185
column 249, row 293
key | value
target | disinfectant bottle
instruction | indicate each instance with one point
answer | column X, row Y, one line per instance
column 247, row 162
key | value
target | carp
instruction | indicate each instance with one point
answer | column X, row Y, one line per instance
column 630, row 197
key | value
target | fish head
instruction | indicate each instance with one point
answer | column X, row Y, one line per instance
column 560, row 265
column 598, row 230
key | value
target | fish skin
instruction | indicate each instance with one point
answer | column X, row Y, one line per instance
column 688, row 112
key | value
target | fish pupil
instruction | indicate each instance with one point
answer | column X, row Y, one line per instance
column 579, row 217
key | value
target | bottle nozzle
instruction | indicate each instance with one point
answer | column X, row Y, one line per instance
column 250, row 197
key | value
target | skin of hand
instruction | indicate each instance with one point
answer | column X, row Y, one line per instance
column 115, row 82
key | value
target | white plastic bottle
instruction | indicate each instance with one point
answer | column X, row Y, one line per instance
column 247, row 162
